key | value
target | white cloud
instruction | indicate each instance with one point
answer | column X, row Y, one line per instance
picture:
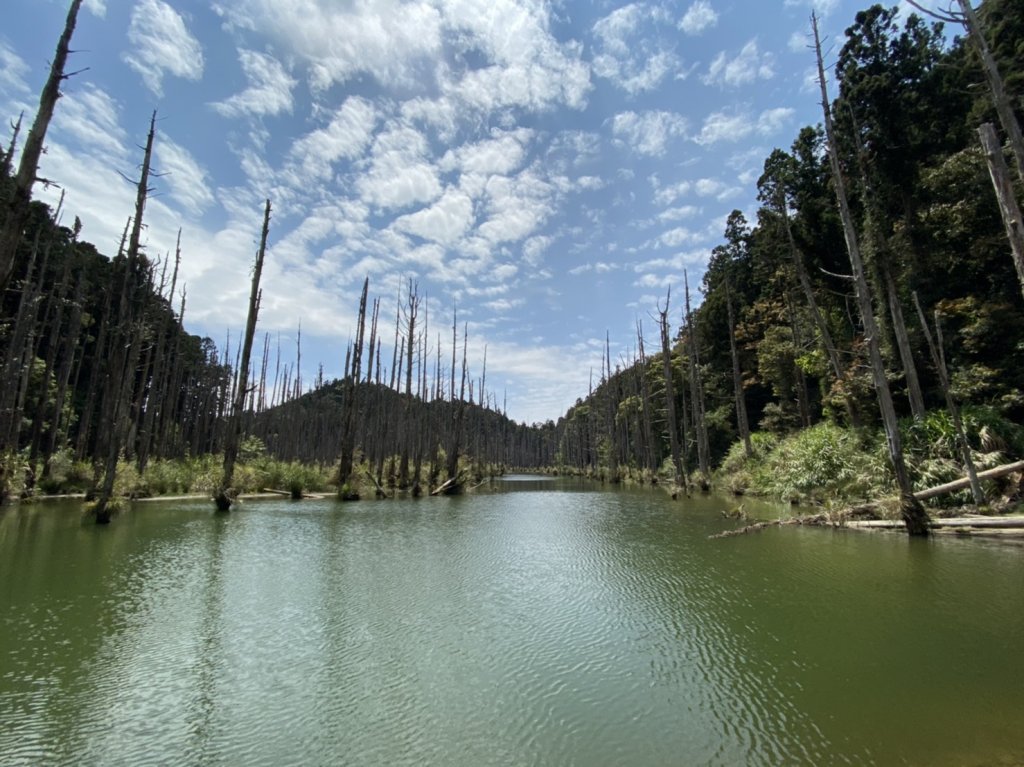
column 534, row 247
column 823, row 7
column 626, row 52
column 663, row 195
column 339, row 42
column 772, row 120
column 698, row 17
column 399, row 174
column 96, row 7
column 722, row 126
column 345, row 137
column 648, row 133
column 679, row 213
column 91, row 117
column 188, row 181
column 501, row 305
column 708, row 187
column 403, row 45
column 747, row 66
column 443, row 222
column 516, row 207
column 501, row 155
column 161, row 43
column 13, row 70
column 677, row 236
column 269, row 91
column 716, row 188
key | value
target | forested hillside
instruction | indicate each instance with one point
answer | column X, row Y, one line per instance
column 778, row 341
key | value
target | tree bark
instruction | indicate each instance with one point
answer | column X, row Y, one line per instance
column 1008, row 207
column 1000, row 98
column 671, row 423
column 742, row 424
column 224, row 497
column 17, row 207
column 914, row 516
column 938, row 359
column 804, row 279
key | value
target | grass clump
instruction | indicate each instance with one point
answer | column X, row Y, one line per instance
column 819, row 464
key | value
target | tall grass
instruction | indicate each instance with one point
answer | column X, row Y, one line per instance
column 822, row 463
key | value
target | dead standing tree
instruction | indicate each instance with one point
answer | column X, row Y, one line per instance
column 120, row 373
column 678, row 470
column 914, row 516
column 16, row 208
column 351, row 390
column 225, row 493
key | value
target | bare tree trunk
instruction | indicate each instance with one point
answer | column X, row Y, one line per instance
column 352, row 375
column 127, row 340
column 899, row 329
column 697, row 395
column 680, row 478
column 225, row 493
column 411, row 312
column 838, row 369
column 938, row 359
column 999, row 96
column 1008, row 207
column 645, row 402
column 914, row 516
column 742, row 424
column 16, row 209
column 8, row 158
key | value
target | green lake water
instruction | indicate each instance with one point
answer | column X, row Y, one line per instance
column 545, row 623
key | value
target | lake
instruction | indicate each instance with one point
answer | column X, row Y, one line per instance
column 546, row 622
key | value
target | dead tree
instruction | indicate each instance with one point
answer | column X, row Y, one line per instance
column 671, row 423
column 16, row 208
column 1008, row 207
column 914, row 516
column 225, row 493
column 939, row 360
column 697, row 396
column 804, row 279
column 742, row 424
column 351, row 388
column 411, row 312
column 128, row 339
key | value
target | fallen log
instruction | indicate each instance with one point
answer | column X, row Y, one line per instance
column 451, row 486
column 813, row 520
column 381, row 492
column 963, row 484
column 953, row 523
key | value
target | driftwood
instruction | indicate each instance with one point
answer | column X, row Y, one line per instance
column 450, row 486
column 963, row 484
column 815, row 520
column 953, row 523
column 381, row 492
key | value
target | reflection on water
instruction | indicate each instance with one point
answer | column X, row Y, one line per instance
column 547, row 625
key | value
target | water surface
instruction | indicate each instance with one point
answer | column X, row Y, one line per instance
column 544, row 623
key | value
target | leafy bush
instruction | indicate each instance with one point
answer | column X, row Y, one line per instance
column 823, row 462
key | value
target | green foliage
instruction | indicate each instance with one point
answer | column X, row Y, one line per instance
column 824, row 462
column 934, row 456
column 12, row 474
column 65, row 475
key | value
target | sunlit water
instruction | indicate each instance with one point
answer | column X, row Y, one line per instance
column 548, row 624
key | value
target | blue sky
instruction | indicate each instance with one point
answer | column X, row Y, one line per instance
column 551, row 168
